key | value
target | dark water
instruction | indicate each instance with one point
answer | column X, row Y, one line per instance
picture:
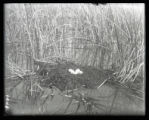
column 122, row 103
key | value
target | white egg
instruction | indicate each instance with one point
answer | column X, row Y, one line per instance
column 81, row 72
column 75, row 72
column 71, row 71
column 78, row 71
column 6, row 107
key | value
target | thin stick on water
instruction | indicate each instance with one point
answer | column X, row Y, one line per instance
column 31, row 87
column 102, row 83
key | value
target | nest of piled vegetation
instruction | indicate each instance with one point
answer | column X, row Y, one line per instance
column 60, row 76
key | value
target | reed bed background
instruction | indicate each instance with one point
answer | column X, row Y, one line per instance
column 105, row 37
